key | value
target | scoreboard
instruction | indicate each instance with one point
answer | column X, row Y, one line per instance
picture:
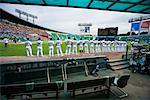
column 112, row 31
column 85, row 28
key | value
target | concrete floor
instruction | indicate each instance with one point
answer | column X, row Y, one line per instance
column 138, row 88
column 8, row 59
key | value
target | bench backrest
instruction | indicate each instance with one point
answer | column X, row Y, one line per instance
column 28, row 88
column 123, row 80
column 87, row 83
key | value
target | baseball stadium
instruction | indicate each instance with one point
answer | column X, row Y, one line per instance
column 91, row 60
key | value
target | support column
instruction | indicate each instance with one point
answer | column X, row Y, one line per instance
column 48, row 76
column 86, row 68
column 140, row 26
column 149, row 28
column 62, row 70
column 65, row 71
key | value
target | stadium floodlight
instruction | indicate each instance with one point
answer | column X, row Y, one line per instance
column 17, row 10
column 26, row 14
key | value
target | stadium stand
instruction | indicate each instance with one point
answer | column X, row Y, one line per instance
column 13, row 30
column 144, row 38
column 64, row 36
column 14, row 27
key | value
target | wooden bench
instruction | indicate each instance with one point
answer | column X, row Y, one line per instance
column 89, row 86
column 30, row 89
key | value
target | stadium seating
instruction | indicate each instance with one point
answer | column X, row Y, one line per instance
column 143, row 38
column 11, row 30
column 63, row 36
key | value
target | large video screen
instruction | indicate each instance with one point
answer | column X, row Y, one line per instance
column 113, row 31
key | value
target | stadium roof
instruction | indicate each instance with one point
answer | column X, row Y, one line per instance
column 134, row 6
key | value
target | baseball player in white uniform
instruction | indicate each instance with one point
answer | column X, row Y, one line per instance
column 39, row 47
column 75, row 44
column 58, row 47
column 115, row 44
column 51, row 47
column 28, row 47
column 86, row 46
column 108, row 46
column 107, row 49
column 6, row 40
column 92, row 46
column 101, row 46
column 119, row 46
column 104, row 46
column 68, row 46
column 98, row 47
column 81, row 42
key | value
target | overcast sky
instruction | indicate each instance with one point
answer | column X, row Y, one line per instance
column 67, row 19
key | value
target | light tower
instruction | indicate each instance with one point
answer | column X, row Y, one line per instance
column 26, row 14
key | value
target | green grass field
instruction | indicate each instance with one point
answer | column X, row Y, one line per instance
column 20, row 50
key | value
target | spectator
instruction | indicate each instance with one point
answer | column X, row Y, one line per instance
column 11, row 30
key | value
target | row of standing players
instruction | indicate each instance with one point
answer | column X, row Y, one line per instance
column 72, row 44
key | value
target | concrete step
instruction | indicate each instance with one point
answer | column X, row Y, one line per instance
column 119, row 63
column 120, row 67
column 116, row 60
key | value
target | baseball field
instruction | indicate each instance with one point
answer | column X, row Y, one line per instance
column 18, row 49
